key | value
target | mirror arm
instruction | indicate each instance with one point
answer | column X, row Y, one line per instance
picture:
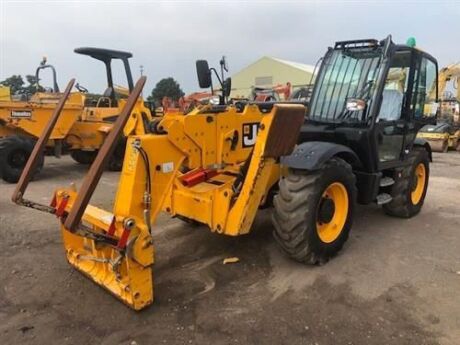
column 222, row 97
column 217, row 75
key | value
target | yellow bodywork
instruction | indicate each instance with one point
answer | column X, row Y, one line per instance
column 79, row 127
column 30, row 117
column 5, row 93
column 229, row 143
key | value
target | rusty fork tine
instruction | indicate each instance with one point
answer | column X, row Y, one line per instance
column 95, row 172
column 32, row 162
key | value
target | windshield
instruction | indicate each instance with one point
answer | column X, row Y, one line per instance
column 345, row 74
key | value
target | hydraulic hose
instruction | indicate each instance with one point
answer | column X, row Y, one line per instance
column 148, row 187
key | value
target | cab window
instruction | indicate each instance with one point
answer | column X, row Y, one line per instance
column 425, row 90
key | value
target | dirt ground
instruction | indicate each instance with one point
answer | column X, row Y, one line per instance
column 395, row 282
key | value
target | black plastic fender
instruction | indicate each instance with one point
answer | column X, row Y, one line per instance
column 312, row 155
column 420, row 142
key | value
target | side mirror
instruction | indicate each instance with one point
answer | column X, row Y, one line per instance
column 355, row 104
column 203, row 73
column 227, row 87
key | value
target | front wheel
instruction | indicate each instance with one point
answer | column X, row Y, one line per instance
column 410, row 188
column 14, row 153
column 313, row 211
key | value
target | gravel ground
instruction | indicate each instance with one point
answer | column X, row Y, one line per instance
column 395, row 282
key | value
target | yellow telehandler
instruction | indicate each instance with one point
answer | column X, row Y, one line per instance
column 80, row 130
column 216, row 165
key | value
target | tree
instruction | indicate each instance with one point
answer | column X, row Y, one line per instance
column 15, row 83
column 33, row 85
column 166, row 87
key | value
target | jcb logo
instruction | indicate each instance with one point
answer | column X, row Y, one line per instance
column 250, row 134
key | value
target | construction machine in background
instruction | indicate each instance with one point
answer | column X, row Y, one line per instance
column 81, row 129
column 272, row 94
column 217, row 165
column 445, row 134
column 287, row 92
column 185, row 103
column 5, row 94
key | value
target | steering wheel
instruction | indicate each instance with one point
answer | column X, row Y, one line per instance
column 81, row 88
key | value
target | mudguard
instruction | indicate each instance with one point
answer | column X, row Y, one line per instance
column 312, row 155
column 420, row 142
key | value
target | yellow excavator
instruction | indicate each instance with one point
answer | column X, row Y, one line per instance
column 81, row 129
column 219, row 163
column 445, row 134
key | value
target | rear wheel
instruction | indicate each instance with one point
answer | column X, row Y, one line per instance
column 314, row 211
column 116, row 160
column 83, row 157
column 410, row 189
column 14, row 153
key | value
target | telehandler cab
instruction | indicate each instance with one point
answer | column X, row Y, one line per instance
column 219, row 163
column 85, row 122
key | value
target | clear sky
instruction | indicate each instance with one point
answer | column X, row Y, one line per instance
column 167, row 37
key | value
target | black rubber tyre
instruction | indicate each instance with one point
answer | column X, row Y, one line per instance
column 116, row 160
column 14, row 153
column 402, row 204
column 83, row 157
column 299, row 204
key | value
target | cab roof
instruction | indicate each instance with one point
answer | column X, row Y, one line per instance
column 103, row 54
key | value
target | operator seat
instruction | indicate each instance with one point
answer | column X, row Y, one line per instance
column 107, row 98
column 391, row 107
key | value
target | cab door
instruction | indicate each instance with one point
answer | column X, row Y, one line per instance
column 394, row 113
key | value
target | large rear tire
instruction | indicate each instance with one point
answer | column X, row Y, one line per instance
column 116, row 160
column 14, row 153
column 410, row 189
column 83, row 157
column 313, row 211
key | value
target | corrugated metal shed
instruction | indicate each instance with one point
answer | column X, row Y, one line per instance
column 269, row 72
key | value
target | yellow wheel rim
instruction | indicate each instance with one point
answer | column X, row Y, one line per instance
column 332, row 212
column 419, row 184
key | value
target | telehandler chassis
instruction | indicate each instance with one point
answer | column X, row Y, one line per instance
column 218, row 164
